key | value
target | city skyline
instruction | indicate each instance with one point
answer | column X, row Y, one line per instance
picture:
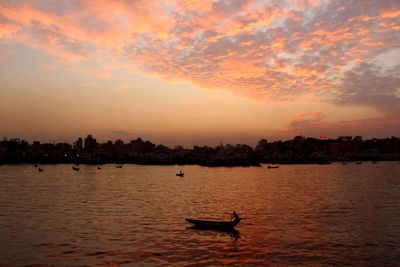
column 95, row 140
column 299, row 150
column 196, row 73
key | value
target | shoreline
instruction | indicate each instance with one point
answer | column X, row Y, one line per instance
column 201, row 164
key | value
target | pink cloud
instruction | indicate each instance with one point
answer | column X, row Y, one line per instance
column 7, row 31
column 276, row 51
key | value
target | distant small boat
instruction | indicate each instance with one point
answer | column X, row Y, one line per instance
column 273, row 167
column 98, row 168
column 75, row 168
column 118, row 166
column 214, row 224
column 181, row 174
column 40, row 170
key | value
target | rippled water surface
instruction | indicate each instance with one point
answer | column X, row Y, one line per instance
column 294, row 215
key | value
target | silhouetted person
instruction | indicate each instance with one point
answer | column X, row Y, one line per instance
column 235, row 216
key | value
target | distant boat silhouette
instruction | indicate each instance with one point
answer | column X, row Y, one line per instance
column 75, row 168
column 40, row 170
column 118, row 166
column 98, row 168
column 273, row 167
column 181, row 174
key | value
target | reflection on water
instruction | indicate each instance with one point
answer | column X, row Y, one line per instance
column 297, row 214
column 235, row 234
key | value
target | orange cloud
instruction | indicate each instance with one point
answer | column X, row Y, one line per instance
column 7, row 31
column 272, row 50
column 390, row 14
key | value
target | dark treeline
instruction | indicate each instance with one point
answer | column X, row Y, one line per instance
column 298, row 150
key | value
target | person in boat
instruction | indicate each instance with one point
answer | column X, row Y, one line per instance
column 234, row 216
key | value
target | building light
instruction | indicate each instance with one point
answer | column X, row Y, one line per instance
column 323, row 137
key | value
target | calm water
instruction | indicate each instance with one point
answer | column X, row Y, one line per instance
column 294, row 215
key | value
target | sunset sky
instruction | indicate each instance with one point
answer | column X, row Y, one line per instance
column 186, row 72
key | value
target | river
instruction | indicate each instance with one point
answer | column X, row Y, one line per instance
column 135, row 215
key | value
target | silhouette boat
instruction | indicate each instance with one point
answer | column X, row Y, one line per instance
column 273, row 167
column 98, row 168
column 118, row 166
column 181, row 174
column 223, row 225
column 75, row 168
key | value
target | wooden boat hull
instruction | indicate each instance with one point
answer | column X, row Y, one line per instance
column 214, row 224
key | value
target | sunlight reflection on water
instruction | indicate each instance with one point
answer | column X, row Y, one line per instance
column 297, row 214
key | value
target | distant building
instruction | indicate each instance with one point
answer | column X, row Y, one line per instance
column 90, row 144
column 78, row 145
column 301, row 138
column 345, row 138
column 262, row 145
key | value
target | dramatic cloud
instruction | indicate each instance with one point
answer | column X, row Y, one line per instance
column 316, row 124
column 272, row 50
column 369, row 85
